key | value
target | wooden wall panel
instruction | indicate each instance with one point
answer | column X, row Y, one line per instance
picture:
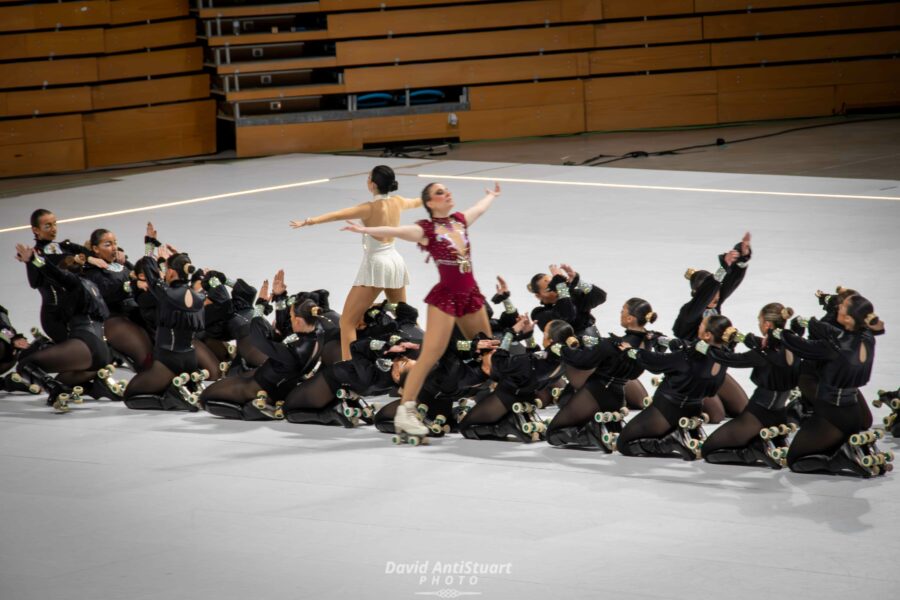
column 867, row 71
column 799, row 21
column 611, row 114
column 405, row 127
column 49, row 101
column 155, row 35
column 710, row 6
column 45, row 44
column 462, row 45
column 521, row 121
column 135, row 11
column 621, row 9
column 141, row 64
column 154, row 133
column 339, row 5
column 461, row 18
column 526, row 94
column 656, row 58
column 775, row 104
column 55, row 72
column 636, row 86
column 657, row 31
column 46, row 129
column 155, row 91
column 466, row 72
column 41, row 157
column 767, row 78
column 325, row 136
column 866, row 95
column 806, row 48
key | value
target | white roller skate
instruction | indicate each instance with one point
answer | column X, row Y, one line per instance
column 409, row 429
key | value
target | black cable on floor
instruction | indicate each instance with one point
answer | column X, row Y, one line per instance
column 591, row 162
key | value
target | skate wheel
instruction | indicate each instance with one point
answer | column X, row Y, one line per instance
column 856, row 439
column 17, row 378
column 435, row 428
column 259, row 404
column 278, row 414
column 647, row 401
column 878, row 434
column 684, row 422
column 624, row 411
column 413, row 440
column 888, row 467
column 888, row 456
column 440, row 420
column 868, row 461
column 395, row 439
column 598, row 417
column 348, row 412
column 538, row 403
column 895, row 404
column 527, row 428
column 34, row 389
column 518, row 408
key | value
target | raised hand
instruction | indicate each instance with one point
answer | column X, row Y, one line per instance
column 151, row 231
column 495, row 192
column 24, row 252
column 502, row 288
column 487, row 344
column 745, row 244
column 264, row 291
column 555, row 270
column 730, row 257
column 278, row 287
column 570, row 272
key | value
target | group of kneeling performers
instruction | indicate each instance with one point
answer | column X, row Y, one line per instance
column 197, row 339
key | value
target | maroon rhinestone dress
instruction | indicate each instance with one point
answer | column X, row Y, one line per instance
column 457, row 292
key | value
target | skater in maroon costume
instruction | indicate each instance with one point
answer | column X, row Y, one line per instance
column 455, row 301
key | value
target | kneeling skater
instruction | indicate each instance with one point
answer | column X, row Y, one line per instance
column 672, row 424
column 261, row 394
column 173, row 380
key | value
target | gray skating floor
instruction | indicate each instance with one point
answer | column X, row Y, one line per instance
column 109, row 503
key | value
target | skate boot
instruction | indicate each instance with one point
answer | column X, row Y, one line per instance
column 610, row 425
column 61, row 397
column 776, row 441
column 354, row 408
column 186, row 390
column 866, row 452
column 692, row 434
column 892, row 401
column 462, row 409
column 39, row 336
column 586, row 436
column 271, row 410
column 14, row 382
column 115, row 389
column 529, row 422
column 437, row 425
column 409, row 430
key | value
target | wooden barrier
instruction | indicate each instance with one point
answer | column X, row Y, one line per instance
column 801, row 21
column 49, row 101
column 31, row 146
column 153, row 133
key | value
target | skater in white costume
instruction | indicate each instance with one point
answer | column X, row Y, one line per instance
column 382, row 268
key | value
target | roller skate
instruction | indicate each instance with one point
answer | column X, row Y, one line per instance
column 354, row 408
column 462, row 408
column 775, row 444
column 223, row 367
column 14, row 382
column 656, row 380
column 437, row 425
column 60, row 398
column 691, row 433
column 408, row 428
column 109, row 387
column 231, row 349
column 186, row 390
column 798, row 409
column 39, row 336
column 604, row 420
column 892, row 401
column 867, row 454
column 529, row 422
column 272, row 410
column 647, row 401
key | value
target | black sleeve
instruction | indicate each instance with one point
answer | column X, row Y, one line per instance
column 740, row 360
column 111, row 289
column 261, row 338
column 65, row 279
column 692, row 312
column 811, row 349
column 585, row 297
column 656, row 362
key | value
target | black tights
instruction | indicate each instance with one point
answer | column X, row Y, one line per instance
column 131, row 340
column 826, row 430
column 730, row 401
column 743, row 429
column 635, row 392
column 251, row 355
column 235, row 390
column 649, row 423
column 312, row 395
column 71, row 359
column 487, row 411
column 207, row 359
column 153, row 381
column 584, row 405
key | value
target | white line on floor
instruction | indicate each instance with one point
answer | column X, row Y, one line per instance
column 657, row 187
column 177, row 203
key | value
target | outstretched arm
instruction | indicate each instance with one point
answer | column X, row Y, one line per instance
column 410, row 233
column 360, row 211
column 474, row 213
